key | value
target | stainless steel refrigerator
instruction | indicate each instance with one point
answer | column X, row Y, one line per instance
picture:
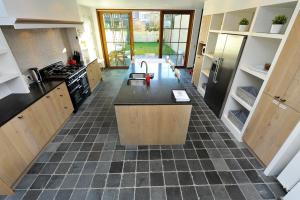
column 226, row 59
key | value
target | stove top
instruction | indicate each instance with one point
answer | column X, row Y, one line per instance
column 60, row 71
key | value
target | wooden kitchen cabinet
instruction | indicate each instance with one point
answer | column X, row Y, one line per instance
column 94, row 74
column 285, row 79
column 205, row 23
column 24, row 136
column 269, row 127
column 12, row 163
column 197, row 70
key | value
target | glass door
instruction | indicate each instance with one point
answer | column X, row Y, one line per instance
column 117, row 37
column 176, row 35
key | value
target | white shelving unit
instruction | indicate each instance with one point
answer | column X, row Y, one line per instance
column 261, row 48
column 11, row 80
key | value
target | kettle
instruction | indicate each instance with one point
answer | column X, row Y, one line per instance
column 35, row 75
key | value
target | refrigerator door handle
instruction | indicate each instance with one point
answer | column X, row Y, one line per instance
column 219, row 62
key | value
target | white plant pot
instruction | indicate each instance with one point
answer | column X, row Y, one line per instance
column 243, row 28
column 276, row 28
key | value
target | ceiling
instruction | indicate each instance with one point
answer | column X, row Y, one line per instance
column 143, row 4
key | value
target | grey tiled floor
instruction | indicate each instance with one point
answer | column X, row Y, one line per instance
column 86, row 161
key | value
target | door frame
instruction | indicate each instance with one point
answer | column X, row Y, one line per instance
column 100, row 13
column 103, row 36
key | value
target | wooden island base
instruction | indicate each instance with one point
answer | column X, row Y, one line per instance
column 153, row 124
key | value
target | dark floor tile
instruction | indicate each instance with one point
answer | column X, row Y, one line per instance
column 26, row 181
column 156, row 179
column 240, row 177
column 70, row 181
column 158, row 193
column 213, row 177
column 113, row 180
column 84, row 181
column 185, row 178
column 204, row 192
column 142, row 193
column 189, row 193
column 49, row 168
column 181, row 165
column 178, row 154
column 47, row 195
column 173, row 193
column 130, row 155
column 94, row 194
column 227, row 177
column 143, row 155
column 166, row 154
column 235, row 192
column 99, row 181
column 202, row 154
column 142, row 179
column 171, row 178
column 36, row 168
column 32, row 194
column 199, row 178
column 155, row 155
column 63, row 168
column 79, row 194
column 207, row 165
column 232, row 164
column 219, row 192
column 245, row 164
column 253, row 176
column 169, row 165
column 126, row 194
column 142, row 166
column 264, row 191
column 116, row 167
column 63, row 194
column 76, row 168
column 40, row 182
column 55, row 182
column 128, row 180
column 129, row 166
column 156, row 166
column 94, row 156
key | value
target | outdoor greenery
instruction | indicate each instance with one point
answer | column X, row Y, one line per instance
column 280, row 19
column 142, row 48
column 244, row 21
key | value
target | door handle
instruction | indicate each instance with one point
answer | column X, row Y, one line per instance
column 219, row 62
column 282, row 100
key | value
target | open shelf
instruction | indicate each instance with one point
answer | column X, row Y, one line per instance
column 7, row 77
column 257, row 74
column 241, row 101
column 232, row 19
column 216, row 21
column 266, row 14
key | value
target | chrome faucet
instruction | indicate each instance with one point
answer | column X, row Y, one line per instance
column 146, row 66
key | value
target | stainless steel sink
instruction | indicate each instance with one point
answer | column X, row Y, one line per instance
column 136, row 81
column 137, row 75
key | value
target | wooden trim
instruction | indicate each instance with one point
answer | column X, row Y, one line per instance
column 5, row 189
column 161, row 33
column 188, row 44
column 45, row 21
column 103, row 39
column 131, row 35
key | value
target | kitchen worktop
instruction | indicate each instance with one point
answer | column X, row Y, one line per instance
column 13, row 104
column 158, row 93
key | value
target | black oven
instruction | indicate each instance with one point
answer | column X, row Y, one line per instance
column 79, row 89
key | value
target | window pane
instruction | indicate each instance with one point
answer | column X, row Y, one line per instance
column 181, row 48
column 180, row 60
column 167, row 35
column 168, row 21
column 175, row 35
column 173, row 58
column 185, row 21
column 107, row 21
column 166, row 50
column 176, row 20
column 174, row 47
column 183, row 35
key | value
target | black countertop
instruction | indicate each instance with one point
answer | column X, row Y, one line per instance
column 158, row 93
column 13, row 104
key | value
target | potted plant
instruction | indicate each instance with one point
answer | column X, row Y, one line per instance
column 244, row 25
column 278, row 23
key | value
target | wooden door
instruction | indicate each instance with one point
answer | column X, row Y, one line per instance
column 117, row 37
column 175, row 35
column 12, row 163
column 197, row 70
column 5, row 189
column 284, row 74
column 205, row 24
column 65, row 103
column 269, row 127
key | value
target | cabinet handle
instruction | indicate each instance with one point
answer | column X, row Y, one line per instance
column 276, row 97
column 61, row 95
column 282, row 100
column 58, row 88
column 66, row 107
column 47, row 96
column 21, row 117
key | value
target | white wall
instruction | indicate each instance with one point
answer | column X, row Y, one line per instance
column 40, row 9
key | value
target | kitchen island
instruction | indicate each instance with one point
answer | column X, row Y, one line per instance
column 149, row 115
